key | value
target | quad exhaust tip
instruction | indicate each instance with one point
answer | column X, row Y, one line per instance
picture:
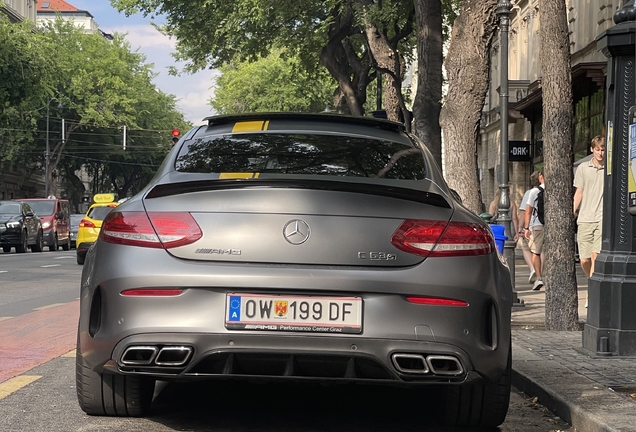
column 156, row 356
column 440, row 365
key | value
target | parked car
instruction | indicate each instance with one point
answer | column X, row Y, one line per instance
column 285, row 246
column 89, row 226
column 56, row 221
column 20, row 227
column 76, row 218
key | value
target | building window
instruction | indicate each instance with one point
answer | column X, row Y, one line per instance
column 588, row 121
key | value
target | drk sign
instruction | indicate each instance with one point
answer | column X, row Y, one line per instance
column 519, row 151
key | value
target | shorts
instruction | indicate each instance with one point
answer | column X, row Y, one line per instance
column 589, row 238
column 523, row 243
column 536, row 239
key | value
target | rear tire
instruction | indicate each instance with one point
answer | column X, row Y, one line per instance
column 6, row 249
column 39, row 243
column 55, row 245
column 479, row 405
column 67, row 246
column 23, row 246
column 111, row 394
column 80, row 260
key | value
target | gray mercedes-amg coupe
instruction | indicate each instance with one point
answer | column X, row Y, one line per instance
column 307, row 247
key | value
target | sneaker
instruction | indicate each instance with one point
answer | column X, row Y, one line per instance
column 537, row 285
column 532, row 276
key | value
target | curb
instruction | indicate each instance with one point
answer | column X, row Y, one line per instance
column 586, row 405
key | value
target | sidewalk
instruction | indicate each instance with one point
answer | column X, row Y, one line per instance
column 591, row 393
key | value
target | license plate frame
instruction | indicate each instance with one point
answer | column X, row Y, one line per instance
column 294, row 313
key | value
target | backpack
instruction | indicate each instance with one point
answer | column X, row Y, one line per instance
column 540, row 205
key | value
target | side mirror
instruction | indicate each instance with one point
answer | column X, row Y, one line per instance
column 30, row 214
column 59, row 215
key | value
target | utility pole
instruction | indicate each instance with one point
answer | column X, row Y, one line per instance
column 47, row 152
column 503, row 210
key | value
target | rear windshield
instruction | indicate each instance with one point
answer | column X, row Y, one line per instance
column 98, row 213
column 302, row 154
column 43, row 208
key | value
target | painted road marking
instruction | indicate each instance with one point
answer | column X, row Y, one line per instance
column 4, row 271
column 51, row 265
column 64, row 257
column 15, row 384
column 5, row 318
column 71, row 353
column 49, row 306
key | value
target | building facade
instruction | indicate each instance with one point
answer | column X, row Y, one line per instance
column 586, row 19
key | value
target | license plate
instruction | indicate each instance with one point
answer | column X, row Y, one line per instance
column 309, row 314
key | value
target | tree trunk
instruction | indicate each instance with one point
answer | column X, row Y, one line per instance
column 467, row 71
column 427, row 101
column 561, row 298
column 340, row 64
column 385, row 58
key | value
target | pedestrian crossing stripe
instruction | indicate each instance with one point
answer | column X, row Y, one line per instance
column 14, row 384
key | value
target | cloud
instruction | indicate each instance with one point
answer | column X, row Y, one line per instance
column 193, row 91
column 145, row 36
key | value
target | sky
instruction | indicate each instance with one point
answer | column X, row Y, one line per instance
column 192, row 91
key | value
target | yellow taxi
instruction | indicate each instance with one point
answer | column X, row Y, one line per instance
column 90, row 225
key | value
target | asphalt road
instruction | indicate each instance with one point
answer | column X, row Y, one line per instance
column 38, row 315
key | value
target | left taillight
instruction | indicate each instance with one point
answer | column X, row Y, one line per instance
column 154, row 230
column 434, row 238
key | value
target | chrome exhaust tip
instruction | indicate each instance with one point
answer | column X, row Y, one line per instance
column 410, row 363
column 445, row 365
column 173, row 356
column 139, row 355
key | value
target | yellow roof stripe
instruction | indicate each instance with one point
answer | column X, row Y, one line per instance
column 250, row 126
column 237, row 175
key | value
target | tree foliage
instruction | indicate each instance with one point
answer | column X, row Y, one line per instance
column 272, row 83
column 352, row 39
column 25, row 79
column 97, row 86
column 103, row 85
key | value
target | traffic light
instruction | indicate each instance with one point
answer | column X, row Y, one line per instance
column 175, row 136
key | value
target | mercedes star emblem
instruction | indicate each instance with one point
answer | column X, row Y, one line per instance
column 296, row 231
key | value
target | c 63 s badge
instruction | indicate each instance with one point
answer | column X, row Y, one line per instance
column 377, row 256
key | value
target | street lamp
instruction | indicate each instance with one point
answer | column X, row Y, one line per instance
column 47, row 154
column 503, row 209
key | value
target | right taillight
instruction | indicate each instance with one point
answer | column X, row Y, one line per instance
column 154, row 230
column 434, row 238
column 85, row 223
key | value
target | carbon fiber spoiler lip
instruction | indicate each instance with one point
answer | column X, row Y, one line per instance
column 163, row 190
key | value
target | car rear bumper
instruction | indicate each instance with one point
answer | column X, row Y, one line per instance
column 315, row 358
column 83, row 247
column 477, row 335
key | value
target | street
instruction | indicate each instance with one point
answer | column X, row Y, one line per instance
column 38, row 313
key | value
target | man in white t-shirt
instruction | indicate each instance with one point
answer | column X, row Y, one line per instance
column 523, row 242
column 533, row 232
